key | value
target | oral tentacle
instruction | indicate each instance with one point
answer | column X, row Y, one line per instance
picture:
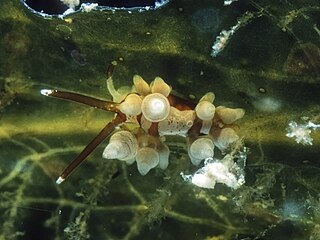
column 104, row 133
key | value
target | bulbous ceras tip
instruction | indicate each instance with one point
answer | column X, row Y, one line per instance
column 159, row 86
column 226, row 137
column 147, row 158
column 200, row 149
column 140, row 86
column 123, row 145
column 229, row 115
column 155, row 107
column 205, row 110
column 131, row 106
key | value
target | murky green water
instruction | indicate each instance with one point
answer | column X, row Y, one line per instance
column 270, row 67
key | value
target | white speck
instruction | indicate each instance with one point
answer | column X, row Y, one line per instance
column 228, row 2
column 46, row 92
column 60, row 180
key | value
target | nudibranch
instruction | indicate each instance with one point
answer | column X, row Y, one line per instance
column 155, row 113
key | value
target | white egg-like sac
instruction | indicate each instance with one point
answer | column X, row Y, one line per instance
column 123, row 145
column 155, row 107
column 229, row 115
column 146, row 158
column 226, row 137
column 131, row 106
column 159, row 86
column 140, row 85
column 205, row 110
column 201, row 149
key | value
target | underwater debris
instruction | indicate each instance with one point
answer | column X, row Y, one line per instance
column 71, row 3
column 62, row 8
column 88, row 7
column 226, row 171
column 224, row 36
column 156, row 113
column 301, row 132
column 222, row 40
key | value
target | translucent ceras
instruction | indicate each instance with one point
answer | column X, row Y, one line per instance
column 156, row 113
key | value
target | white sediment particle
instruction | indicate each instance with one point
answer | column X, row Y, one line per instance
column 71, row 3
column 225, row 171
column 160, row 3
column 46, row 92
column 67, row 12
column 301, row 132
column 222, row 40
column 88, row 7
column 228, row 2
